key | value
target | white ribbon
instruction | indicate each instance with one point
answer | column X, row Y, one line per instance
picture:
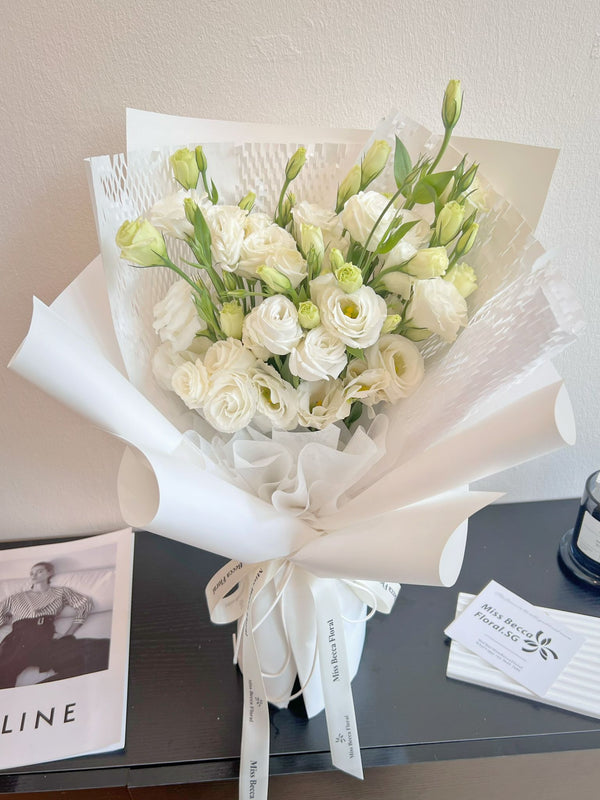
column 231, row 595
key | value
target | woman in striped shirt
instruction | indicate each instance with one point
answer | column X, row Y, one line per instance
column 33, row 639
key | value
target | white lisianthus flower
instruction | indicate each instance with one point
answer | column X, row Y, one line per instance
column 231, row 401
column 277, row 405
column 319, row 355
column 272, row 327
column 175, row 317
column 256, row 221
column 354, row 318
column 360, row 214
column 322, row 402
column 168, row 214
column 403, row 362
column 438, row 306
column 365, row 384
column 226, row 225
column 258, row 244
column 289, row 262
column 166, row 359
column 190, row 383
column 228, row 355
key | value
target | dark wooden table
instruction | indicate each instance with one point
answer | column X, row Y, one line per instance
column 185, row 696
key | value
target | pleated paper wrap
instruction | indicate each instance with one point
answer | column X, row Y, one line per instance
column 318, row 525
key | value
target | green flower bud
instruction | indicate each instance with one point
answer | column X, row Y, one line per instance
column 468, row 178
column 452, row 104
column 373, row 163
column 463, row 277
column 348, row 188
column 295, row 164
column 229, row 281
column 190, row 209
column 141, row 243
column 430, row 262
column 308, row 315
column 416, row 334
column 349, row 278
column 466, row 241
column 201, row 159
column 286, row 209
column 185, row 168
column 449, row 222
column 231, row 318
column 274, row 279
column 247, row 202
column 390, row 323
column 336, row 259
column 311, row 238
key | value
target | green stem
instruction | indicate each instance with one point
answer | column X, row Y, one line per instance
column 374, row 228
column 442, row 150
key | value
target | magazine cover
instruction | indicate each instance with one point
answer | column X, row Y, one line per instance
column 64, row 648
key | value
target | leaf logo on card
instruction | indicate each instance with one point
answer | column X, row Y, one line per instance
column 540, row 645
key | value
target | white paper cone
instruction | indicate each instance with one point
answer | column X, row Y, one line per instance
column 423, row 543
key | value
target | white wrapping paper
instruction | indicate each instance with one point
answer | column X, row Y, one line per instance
column 318, row 525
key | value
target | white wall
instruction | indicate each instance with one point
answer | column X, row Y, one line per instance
column 531, row 74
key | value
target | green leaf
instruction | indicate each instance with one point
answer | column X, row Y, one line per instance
column 354, row 414
column 392, row 240
column 202, row 234
column 356, row 352
column 439, row 180
column 214, row 195
column 402, row 163
column 423, row 193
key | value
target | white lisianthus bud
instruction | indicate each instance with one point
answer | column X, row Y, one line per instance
column 330, row 224
column 349, row 278
column 400, row 254
column 449, row 222
column 391, row 321
column 231, row 401
column 228, row 355
column 403, row 362
column 374, row 162
column 311, row 238
column 463, row 277
column 247, row 202
column 354, row 318
column 360, row 214
column 190, row 383
column 277, row 400
column 476, row 199
column 467, row 240
column 321, row 403
column 175, row 317
column 185, row 168
column 231, row 318
column 274, row 279
column 336, row 259
column 295, row 164
column 364, row 384
column 438, row 306
column 141, row 243
column 318, row 356
column 348, row 187
column 226, row 225
column 452, row 104
column 308, row 315
column 272, row 327
column 287, row 261
column 399, row 283
column 430, row 262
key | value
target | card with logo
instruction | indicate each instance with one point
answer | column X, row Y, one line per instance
column 515, row 637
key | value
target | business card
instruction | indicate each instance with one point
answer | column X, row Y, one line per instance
column 520, row 640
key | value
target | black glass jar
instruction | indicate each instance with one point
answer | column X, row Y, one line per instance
column 579, row 550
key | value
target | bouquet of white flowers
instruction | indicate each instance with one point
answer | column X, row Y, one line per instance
column 309, row 381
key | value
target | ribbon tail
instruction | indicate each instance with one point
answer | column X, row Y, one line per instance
column 335, row 677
